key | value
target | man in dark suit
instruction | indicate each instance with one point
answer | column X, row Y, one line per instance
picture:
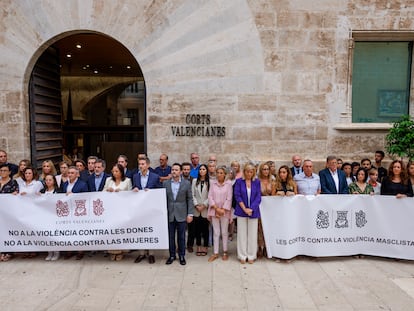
column 180, row 211
column 96, row 181
column 333, row 181
column 85, row 174
column 144, row 180
column 74, row 184
column 123, row 161
column 297, row 165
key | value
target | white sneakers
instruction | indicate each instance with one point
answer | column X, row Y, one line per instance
column 52, row 256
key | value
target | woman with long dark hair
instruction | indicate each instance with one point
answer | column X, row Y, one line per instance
column 397, row 182
column 284, row 184
column 200, row 189
column 118, row 182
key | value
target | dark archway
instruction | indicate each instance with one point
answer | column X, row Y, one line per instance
column 87, row 91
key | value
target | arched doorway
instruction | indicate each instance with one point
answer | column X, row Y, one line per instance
column 87, row 91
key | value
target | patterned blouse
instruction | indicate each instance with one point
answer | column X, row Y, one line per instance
column 10, row 187
column 353, row 187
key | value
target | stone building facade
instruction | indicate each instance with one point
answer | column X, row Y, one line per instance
column 273, row 77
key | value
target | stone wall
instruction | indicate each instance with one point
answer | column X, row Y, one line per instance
column 274, row 73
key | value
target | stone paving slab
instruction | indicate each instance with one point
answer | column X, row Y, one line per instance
column 95, row 283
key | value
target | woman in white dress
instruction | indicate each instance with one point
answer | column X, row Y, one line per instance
column 118, row 182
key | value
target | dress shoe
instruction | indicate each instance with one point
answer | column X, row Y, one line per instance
column 151, row 259
column 170, row 260
column 182, row 261
column 139, row 258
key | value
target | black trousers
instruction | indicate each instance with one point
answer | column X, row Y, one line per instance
column 201, row 230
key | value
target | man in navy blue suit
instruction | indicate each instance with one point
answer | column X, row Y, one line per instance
column 123, row 161
column 333, row 181
column 144, row 180
column 96, row 181
column 85, row 174
column 74, row 185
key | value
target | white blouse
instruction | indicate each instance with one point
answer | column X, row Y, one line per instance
column 124, row 185
column 34, row 187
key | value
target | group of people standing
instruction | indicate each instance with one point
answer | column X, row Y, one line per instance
column 206, row 200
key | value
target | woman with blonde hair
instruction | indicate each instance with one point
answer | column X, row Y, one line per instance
column 47, row 168
column 266, row 182
column 219, row 211
column 284, row 184
column 248, row 197
column 373, row 180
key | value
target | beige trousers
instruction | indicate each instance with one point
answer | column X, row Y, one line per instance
column 247, row 238
column 220, row 227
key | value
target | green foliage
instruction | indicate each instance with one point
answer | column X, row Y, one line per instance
column 400, row 139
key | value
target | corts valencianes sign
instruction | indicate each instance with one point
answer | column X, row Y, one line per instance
column 198, row 125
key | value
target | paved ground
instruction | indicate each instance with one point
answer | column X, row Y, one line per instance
column 98, row 284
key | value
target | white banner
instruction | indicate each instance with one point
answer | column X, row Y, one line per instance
column 84, row 221
column 337, row 225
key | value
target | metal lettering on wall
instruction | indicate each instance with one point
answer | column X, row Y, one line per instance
column 198, row 125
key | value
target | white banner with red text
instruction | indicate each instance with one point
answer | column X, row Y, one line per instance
column 338, row 225
column 84, row 221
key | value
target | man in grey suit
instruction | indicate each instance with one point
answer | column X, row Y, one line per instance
column 180, row 211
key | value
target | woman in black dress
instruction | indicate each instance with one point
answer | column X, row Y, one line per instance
column 397, row 182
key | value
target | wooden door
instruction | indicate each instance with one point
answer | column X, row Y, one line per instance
column 46, row 109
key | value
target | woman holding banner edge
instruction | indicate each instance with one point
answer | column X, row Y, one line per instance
column 7, row 185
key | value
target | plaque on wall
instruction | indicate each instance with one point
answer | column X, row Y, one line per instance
column 392, row 103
